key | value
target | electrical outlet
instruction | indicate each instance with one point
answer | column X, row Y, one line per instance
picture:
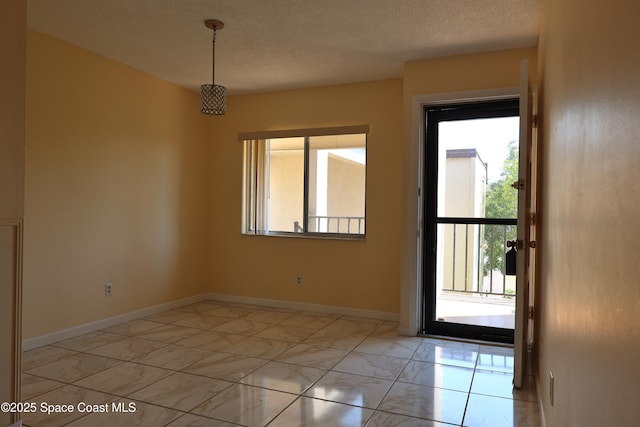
column 299, row 280
column 108, row 289
column 551, row 387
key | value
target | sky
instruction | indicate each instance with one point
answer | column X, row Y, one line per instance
column 490, row 137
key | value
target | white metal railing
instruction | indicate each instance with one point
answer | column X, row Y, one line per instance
column 483, row 243
column 333, row 224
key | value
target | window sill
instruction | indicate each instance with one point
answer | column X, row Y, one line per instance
column 323, row 236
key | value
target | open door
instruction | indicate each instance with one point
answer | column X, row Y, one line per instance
column 526, row 193
column 472, row 158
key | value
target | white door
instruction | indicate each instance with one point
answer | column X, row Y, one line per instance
column 525, row 195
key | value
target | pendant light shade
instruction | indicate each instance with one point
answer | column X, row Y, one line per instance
column 213, row 97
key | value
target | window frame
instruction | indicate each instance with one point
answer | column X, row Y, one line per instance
column 254, row 208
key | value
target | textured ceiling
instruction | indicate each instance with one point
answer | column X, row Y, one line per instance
column 278, row 44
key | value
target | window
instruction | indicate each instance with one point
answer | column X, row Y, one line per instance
column 308, row 182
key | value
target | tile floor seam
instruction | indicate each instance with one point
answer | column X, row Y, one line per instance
column 237, row 382
column 283, row 410
column 418, row 418
column 165, row 406
column 384, row 397
column 324, row 400
column 270, row 389
column 466, row 405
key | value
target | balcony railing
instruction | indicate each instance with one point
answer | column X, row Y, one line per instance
column 473, row 255
column 333, row 224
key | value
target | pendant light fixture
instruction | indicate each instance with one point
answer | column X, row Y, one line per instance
column 213, row 97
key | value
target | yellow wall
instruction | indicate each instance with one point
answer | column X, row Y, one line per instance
column 116, row 189
column 13, row 21
column 589, row 302
column 356, row 274
column 466, row 72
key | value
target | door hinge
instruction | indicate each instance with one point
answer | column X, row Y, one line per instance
column 532, row 218
column 534, row 121
column 530, row 312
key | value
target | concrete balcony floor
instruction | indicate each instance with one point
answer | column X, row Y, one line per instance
column 474, row 309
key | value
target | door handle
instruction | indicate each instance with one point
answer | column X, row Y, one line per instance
column 519, row 244
column 518, row 185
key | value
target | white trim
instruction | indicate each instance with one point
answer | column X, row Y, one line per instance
column 410, row 286
column 466, row 96
column 292, row 133
column 305, row 306
column 31, row 343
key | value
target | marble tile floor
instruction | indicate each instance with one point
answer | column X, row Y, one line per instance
column 223, row 364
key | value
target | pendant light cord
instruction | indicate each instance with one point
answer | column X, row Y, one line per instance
column 213, row 67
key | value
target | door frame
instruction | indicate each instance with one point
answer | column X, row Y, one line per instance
column 482, row 109
column 413, row 221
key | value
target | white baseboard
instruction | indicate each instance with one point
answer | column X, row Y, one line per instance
column 31, row 343
column 305, row 306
